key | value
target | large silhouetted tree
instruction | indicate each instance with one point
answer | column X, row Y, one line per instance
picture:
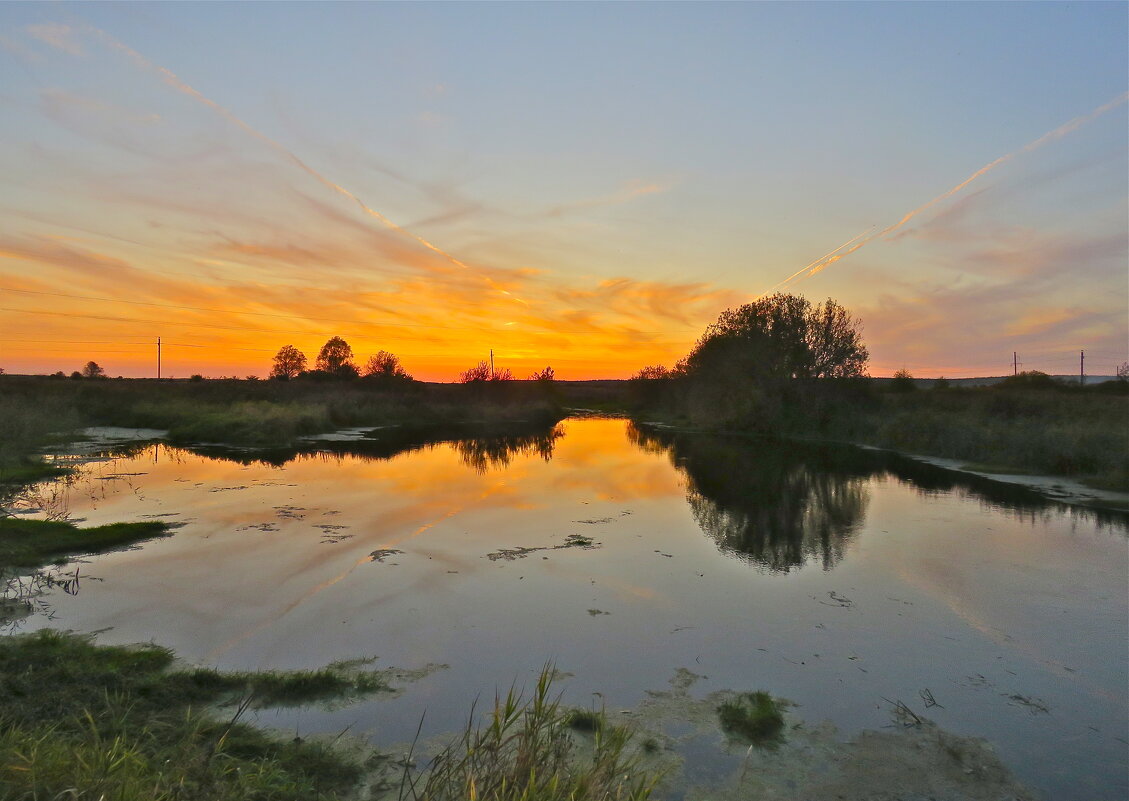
column 288, row 363
column 754, row 367
column 783, row 336
column 336, row 359
column 93, row 370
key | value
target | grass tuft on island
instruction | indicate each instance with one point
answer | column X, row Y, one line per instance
column 118, row 723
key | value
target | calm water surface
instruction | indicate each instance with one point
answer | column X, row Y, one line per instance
column 833, row 577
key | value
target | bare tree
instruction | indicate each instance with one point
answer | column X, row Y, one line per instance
column 482, row 372
column 548, row 374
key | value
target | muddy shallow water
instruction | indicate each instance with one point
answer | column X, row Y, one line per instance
column 842, row 580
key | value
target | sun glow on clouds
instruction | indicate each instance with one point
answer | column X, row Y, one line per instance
column 345, row 269
column 143, row 202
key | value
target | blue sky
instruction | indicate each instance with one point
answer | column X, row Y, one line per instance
column 593, row 182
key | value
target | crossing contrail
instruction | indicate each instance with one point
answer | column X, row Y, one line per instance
column 824, row 262
column 171, row 79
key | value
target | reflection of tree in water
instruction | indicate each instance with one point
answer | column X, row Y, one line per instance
column 780, row 505
column 482, row 446
column 487, row 453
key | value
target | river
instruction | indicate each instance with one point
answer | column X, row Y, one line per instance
column 841, row 579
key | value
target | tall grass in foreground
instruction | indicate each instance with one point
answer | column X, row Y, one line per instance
column 528, row 752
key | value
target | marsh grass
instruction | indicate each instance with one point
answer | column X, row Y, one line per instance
column 1065, row 432
column 81, row 721
column 530, row 751
column 754, row 717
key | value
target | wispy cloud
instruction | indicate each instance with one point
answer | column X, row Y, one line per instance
column 626, row 194
column 172, row 80
column 61, row 37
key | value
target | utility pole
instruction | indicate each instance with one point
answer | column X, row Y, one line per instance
column 1082, row 368
column 1014, row 363
column 491, row 364
column 158, row 358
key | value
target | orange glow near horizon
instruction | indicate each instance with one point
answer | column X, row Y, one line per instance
column 62, row 316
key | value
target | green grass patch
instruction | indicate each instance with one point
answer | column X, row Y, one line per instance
column 29, row 472
column 119, row 723
column 754, row 717
column 34, row 543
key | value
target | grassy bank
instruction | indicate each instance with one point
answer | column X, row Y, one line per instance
column 1081, row 435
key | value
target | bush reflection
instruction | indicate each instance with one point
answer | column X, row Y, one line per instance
column 779, row 505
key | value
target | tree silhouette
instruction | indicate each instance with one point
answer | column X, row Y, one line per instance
column 902, row 381
column 92, row 370
column 288, row 363
column 548, row 374
column 336, row 359
column 651, row 372
column 385, row 365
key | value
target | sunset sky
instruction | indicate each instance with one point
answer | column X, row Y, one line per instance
column 578, row 185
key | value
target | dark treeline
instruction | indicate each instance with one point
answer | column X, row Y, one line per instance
column 782, row 366
column 260, row 413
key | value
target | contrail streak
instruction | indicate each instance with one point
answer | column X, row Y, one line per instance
column 817, row 261
column 175, row 82
column 1058, row 133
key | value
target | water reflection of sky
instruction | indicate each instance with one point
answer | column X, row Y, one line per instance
column 829, row 576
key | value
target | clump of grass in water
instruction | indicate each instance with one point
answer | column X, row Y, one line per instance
column 754, row 717
column 526, row 753
column 82, row 721
column 587, row 720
